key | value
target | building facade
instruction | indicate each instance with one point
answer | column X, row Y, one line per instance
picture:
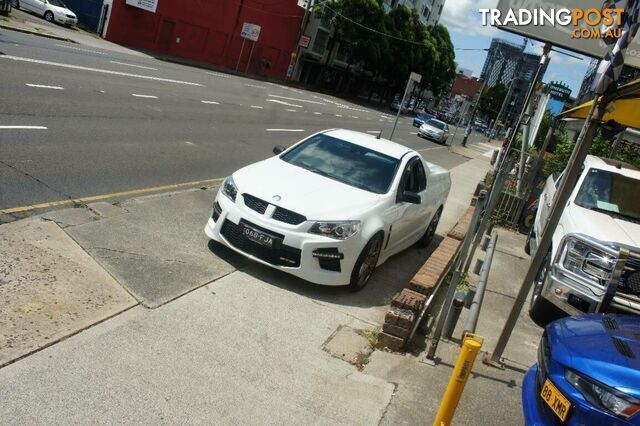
column 586, row 94
column 209, row 31
column 508, row 64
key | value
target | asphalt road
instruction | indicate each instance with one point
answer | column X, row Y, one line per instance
column 80, row 121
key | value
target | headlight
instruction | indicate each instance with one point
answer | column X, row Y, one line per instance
column 603, row 396
column 339, row 230
column 584, row 259
column 229, row 188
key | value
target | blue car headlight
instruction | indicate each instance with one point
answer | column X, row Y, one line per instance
column 603, row 396
column 229, row 188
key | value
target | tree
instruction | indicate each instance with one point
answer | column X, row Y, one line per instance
column 491, row 101
column 445, row 64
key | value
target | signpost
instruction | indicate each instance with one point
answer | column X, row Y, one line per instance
column 148, row 5
column 249, row 32
column 415, row 78
column 304, row 42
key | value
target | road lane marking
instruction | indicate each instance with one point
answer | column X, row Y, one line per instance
column 295, row 99
column 23, row 128
column 338, row 115
column 256, row 86
column 256, row 106
column 211, row 102
column 413, row 133
column 189, row 143
column 78, row 67
column 374, row 131
column 44, row 86
column 135, row 66
column 291, row 110
column 353, row 116
column 285, row 130
column 284, row 103
column 317, row 113
column 80, row 49
column 90, row 199
column 144, row 96
column 217, row 74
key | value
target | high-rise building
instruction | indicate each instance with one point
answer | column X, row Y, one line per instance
column 586, row 94
column 429, row 10
column 508, row 64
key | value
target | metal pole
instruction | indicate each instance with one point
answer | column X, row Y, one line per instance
column 250, row 54
column 505, row 102
column 474, row 309
column 524, row 147
column 400, row 109
column 455, row 278
column 560, row 200
column 454, row 314
column 500, row 179
column 240, row 55
column 303, row 28
column 460, row 120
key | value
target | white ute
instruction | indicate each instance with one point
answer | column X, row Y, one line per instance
column 601, row 216
column 331, row 208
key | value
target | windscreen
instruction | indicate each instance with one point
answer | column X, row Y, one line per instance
column 610, row 193
column 345, row 162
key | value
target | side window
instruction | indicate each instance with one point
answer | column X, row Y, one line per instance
column 416, row 180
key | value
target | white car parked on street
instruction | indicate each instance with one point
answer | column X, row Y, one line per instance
column 435, row 130
column 330, row 208
column 50, row 10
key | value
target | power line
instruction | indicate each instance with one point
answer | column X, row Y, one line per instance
column 376, row 31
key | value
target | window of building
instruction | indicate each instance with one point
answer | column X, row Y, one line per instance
column 320, row 42
column 344, row 53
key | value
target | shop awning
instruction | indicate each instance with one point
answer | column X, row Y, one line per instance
column 624, row 110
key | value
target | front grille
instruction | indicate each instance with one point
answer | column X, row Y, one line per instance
column 287, row 216
column 255, row 203
column 630, row 279
column 280, row 254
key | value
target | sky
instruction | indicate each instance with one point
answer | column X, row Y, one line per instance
column 463, row 20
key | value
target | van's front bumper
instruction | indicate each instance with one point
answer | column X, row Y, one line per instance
column 315, row 258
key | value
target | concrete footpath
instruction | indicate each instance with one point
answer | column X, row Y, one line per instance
column 124, row 313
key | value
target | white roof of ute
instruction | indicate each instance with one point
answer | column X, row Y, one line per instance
column 383, row 146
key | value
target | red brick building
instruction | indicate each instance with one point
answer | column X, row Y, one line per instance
column 209, row 30
column 465, row 86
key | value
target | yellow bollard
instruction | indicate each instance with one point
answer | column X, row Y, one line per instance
column 470, row 348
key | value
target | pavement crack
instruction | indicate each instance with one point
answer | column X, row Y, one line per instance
column 137, row 254
column 39, row 181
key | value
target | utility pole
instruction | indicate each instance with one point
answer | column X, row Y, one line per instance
column 413, row 78
column 303, row 28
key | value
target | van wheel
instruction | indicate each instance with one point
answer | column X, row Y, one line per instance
column 527, row 244
column 541, row 311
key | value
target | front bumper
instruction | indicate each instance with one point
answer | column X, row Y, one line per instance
column 432, row 136
column 295, row 239
column 66, row 20
column 575, row 298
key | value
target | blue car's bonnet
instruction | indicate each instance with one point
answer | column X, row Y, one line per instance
column 603, row 347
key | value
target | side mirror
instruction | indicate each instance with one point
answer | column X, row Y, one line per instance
column 411, row 197
column 278, row 149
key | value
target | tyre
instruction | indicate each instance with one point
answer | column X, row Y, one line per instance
column 366, row 263
column 541, row 311
column 431, row 230
column 527, row 244
column 48, row 16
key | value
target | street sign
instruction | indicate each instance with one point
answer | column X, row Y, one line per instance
column 250, row 31
column 148, row 5
column 303, row 3
column 304, row 42
column 564, row 36
column 415, row 77
column 559, row 91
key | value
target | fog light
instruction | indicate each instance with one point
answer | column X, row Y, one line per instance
column 558, row 291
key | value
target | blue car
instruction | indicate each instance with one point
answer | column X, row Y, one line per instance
column 588, row 373
column 421, row 119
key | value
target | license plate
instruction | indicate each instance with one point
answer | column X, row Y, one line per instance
column 554, row 399
column 258, row 237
